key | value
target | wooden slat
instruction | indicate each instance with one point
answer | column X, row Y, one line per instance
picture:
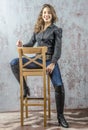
column 33, row 104
column 35, row 98
column 33, row 60
column 32, row 50
column 30, row 73
column 32, row 70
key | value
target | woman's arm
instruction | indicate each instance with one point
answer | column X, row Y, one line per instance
column 58, row 45
column 57, row 50
column 29, row 44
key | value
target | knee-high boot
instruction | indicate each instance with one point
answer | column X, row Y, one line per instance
column 59, row 97
column 15, row 70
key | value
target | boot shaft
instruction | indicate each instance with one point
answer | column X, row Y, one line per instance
column 59, row 97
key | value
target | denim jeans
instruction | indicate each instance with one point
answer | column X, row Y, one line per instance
column 55, row 75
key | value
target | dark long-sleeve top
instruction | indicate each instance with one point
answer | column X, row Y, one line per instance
column 52, row 38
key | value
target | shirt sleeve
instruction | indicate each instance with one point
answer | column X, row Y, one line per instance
column 58, row 45
column 31, row 42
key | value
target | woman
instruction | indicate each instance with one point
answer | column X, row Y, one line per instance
column 46, row 33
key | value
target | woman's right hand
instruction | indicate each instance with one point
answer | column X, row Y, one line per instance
column 19, row 43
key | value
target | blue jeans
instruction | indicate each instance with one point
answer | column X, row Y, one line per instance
column 55, row 75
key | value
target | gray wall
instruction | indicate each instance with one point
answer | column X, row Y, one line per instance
column 17, row 19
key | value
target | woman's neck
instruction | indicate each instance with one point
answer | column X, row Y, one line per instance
column 46, row 26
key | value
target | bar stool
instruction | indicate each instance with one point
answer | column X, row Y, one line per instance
column 24, row 72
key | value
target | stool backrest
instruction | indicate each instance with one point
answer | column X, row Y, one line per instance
column 40, row 52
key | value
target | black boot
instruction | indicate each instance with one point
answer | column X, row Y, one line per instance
column 26, row 90
column 15, row 70
column 59, row 97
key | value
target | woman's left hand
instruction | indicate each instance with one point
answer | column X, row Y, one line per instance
column 50, row 68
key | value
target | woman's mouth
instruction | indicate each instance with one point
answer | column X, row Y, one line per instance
column 46, row 18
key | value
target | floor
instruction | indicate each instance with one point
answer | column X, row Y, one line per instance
column 77, row 119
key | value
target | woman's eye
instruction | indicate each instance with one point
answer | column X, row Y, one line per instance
column 49, row 12
column 44, row 12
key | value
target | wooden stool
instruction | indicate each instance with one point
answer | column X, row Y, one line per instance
column 24, row 72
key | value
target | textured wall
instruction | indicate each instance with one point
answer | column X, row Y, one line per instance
column 17, row 19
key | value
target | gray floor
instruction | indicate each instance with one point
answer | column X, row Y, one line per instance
column 77, row 119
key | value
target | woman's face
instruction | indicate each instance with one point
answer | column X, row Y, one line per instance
column 46, row 15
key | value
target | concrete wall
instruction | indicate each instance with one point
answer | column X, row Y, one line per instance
column 17, row 19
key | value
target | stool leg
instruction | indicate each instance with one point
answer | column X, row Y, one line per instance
column 21, row 100
column 22, row 113
column 44, row 84
column 49, row 109
column 26, row 108
column 22, row 110
column 26, row 101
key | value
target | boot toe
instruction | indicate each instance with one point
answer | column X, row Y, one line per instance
column 62, row 122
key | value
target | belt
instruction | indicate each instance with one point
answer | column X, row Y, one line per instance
column 48, row 57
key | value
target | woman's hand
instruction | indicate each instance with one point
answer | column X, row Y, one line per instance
column 19, row 43
column 50, row 68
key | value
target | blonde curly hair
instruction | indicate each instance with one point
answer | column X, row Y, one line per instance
column 40, row 22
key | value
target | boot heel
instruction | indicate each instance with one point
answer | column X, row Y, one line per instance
column 59, row 123
column 26, row 92
column 62, row 122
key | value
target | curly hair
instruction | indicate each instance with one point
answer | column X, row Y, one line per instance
column 40, row 22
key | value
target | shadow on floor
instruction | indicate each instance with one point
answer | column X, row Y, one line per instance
column 77, row 119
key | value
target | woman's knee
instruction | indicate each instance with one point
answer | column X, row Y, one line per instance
column 14, row 62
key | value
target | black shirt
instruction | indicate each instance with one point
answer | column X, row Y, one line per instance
column 52, row 38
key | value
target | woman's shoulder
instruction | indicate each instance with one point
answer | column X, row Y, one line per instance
column 57, row 28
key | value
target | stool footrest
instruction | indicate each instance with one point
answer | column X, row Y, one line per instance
column 33, row 104
column 35, row 98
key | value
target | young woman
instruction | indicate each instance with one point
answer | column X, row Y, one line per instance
column 46, row 33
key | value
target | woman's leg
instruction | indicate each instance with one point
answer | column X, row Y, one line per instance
column 59, row 95
column 15, row 69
